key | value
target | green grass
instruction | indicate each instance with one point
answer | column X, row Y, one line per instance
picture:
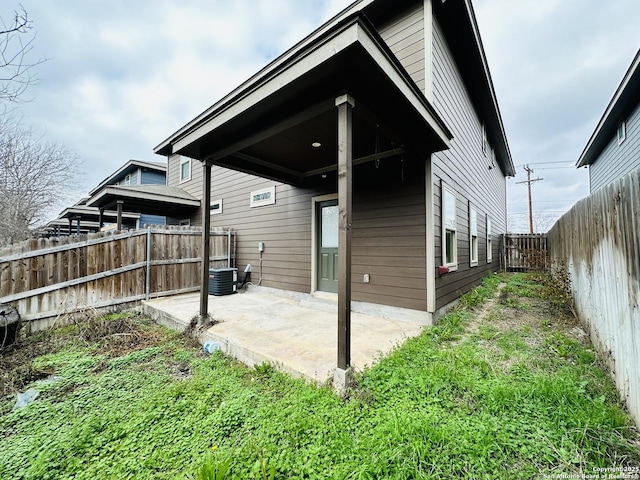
column 447, row 404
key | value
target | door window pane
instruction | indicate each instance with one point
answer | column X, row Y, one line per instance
column 330, row 227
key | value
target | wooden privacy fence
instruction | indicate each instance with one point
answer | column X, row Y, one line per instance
column 45, row 278
column 525, row 252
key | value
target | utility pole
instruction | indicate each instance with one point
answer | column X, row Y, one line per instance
column 529, row 182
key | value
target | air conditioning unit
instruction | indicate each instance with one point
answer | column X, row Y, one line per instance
column 223, row 281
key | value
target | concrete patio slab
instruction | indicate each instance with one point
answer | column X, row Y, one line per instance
column 296, row 333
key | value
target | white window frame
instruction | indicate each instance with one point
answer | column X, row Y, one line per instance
column 215, row 208
column 449, row 225
column 484, row 140
column 621, row 131
column 489, row 241
column 127, row 179
column 262, row 197
column 184, row 161
column 473, row 236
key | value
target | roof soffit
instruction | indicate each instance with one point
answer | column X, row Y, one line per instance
column 351, row 59
column 624, row 101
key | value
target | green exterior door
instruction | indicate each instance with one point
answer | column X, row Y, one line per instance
column 327, row 218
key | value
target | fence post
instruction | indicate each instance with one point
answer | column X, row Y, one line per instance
column 148, row 277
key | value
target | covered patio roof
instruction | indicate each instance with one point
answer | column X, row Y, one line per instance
column 269, row 125
column 149, row 199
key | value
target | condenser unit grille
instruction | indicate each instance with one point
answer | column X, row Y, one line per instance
column 223, row 281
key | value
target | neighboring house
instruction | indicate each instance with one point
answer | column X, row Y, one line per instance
column 141, row 187
column 135, row 173
column 614, row 147
column 377, row 136
column 127, row 190
column 80, row 219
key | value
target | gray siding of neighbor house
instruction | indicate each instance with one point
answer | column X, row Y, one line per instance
column 405, row 37
column 616, row 160
column 151, row 177
column 465, row 169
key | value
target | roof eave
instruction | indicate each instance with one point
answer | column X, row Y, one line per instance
column 623, row 101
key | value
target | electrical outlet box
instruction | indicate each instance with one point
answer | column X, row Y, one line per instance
column 260, row 247
column 367, row 278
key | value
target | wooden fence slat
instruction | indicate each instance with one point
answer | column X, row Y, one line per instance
column 525, row 252
column 104, row 269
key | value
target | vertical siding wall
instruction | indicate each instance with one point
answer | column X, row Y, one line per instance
column 598, row 238
column 617, row 160
column 464, row 168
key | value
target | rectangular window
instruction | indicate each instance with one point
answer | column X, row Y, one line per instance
column 127, row 179
column 449, row 229
column 185, row 169
column 484, row 139
column 216, row 207
column 489, row 241
column 622, row 131
column 266, row 196
column 473, row 236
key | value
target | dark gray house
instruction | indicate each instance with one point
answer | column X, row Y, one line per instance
column 373, row 151
column 614, row 147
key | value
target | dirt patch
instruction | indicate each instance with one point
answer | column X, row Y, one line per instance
column 507, row 312
column 115, row 336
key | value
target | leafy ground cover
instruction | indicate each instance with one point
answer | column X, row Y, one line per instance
column 506, row 386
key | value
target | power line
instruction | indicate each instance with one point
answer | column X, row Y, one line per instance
column 529, row 181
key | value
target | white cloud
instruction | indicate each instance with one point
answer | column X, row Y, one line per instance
column 123, row 75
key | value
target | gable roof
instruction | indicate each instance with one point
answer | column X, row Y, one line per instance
column 625, row 99
column 131, row 165
column 458, row 21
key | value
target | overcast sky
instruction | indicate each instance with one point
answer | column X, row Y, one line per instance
column 121, row 76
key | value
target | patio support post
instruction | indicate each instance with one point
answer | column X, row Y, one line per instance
column 345, row 104
column 101, row 219
column 206, row 234
column 120, row 204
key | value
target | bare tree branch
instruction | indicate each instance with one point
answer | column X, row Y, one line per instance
column 35, row 178
column 16, row 70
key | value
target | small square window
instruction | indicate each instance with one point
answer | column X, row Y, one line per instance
column 216, row 207
column 622, row 131
column 185, row 169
